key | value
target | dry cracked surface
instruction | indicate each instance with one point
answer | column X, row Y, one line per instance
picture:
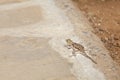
column 32, row 43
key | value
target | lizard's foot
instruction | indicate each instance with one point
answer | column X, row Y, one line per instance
column 67, row 46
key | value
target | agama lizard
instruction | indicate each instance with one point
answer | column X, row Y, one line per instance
column 77, row 47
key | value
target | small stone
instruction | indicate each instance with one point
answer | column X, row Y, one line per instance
column 101, row 29
column 116, row 53
column 118, row 44
column 103, row 40
column 116, row 37
column 106, row 38
column 99, row 24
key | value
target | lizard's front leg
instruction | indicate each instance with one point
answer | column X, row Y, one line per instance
column 74, row 52
column 68, row 46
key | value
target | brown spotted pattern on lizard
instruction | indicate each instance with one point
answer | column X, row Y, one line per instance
column 77, row 47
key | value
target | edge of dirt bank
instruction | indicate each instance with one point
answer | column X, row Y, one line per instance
column 92, row 43
column 104, row 18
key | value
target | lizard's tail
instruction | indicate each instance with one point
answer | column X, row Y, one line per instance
column 89, row 58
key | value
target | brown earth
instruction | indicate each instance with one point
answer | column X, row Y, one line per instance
column 104, row 16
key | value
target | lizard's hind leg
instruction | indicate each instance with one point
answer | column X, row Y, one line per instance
column 74, row 51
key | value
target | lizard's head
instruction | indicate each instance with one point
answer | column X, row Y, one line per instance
column 69, row 41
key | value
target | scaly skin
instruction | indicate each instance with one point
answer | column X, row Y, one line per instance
column 77, row 47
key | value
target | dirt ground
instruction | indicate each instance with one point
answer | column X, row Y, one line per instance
column 104, row 16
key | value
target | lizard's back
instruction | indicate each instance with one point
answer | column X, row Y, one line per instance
column 78, row 47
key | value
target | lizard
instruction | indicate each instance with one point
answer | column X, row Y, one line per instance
column 77, row 47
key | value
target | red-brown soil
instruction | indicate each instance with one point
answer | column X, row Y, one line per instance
column 104, row 16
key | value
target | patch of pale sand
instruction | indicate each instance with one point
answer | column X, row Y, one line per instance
column 54, row 23
column 10, row 1
column 58, row 27
column 82, row 67
column 30, row 58
column 20, row 17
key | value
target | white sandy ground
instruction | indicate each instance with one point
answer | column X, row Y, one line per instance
column 56, row 26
